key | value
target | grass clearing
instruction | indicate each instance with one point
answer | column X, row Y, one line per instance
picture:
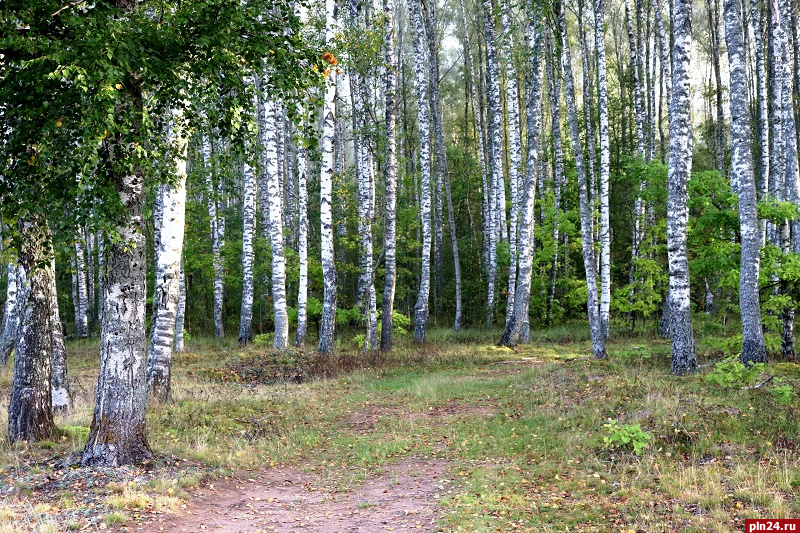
column 523, row 429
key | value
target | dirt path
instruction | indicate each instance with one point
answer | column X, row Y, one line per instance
column 404, row 497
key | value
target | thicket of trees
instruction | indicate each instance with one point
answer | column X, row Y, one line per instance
column 267, row 167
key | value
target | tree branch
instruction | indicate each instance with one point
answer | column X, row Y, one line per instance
column 68, row 6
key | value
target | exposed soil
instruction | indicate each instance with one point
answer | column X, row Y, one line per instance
column 404, row 497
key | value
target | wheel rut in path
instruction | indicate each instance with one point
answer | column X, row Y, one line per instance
column 404, row 497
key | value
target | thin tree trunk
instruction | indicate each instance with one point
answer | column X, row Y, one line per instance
column 763, row 165
column 59, row 382
column 753, row 348
column 326, row 189
column 82, row 302
column 517, row 323
column 605, row 168
column 390, row 178
column 595, row 322
column 515, row 161
column 217, row 236
column 684, row 358
column 421, row 307
column 554, row 88
column 11, row 316
column 495, row 135
column 249, row 194
column 181, row 313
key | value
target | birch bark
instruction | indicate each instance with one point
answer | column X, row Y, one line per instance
column 168, row 255
column 302, row 243
column 587, row 236
column 390, row 177
column 684, row 358
column 30, row 409
column 59, row 382
column 605, row 166
column 495, row 133
column 281, row 318
column 326, row 189
column 516, row 324
column 217, row 223
column 423, row 119
column 249, row 193
column 11, row 316
column 753, row 348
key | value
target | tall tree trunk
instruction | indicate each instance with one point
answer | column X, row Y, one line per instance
column 763, row 164
column 495, row 135
column 516, row 324
column 684, row 358
column 514, row 161
column 90, row 277
column 326, row 188
column 59, row 382
column 421, row 307
column 302, row 243
column 712, row 6
column 587, row 236
column 605, row 167
column 281, row 318
column 554, row 88
column 11, row 316
column 753, row 348
column 217, row 222
column 249, row 194
column 390, row 177
column 82, row 298
column 117, row 435
column 442, row 176
column 30, row 410
column 168, row 256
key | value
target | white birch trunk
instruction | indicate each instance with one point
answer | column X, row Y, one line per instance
column 328, row 323
column 684, row 358
column 217, row 236
column 421, row 307
column 81, row 295
column 605, row 167
column 249, row 194
column 302, row 244
column 390, row 177
column 753, row 348
column 763, row 166
column 587, row 236
column 168, row 258
column 516, row 324
column 59, row 382
column 495, row 132
column 514, row 160
column 11, row 316
column 181, row 313
column 275, row 206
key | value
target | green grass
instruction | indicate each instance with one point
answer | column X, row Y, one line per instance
column 523, row 430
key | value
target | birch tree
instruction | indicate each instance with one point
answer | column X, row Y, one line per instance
column 30, row 410
column 587, row 234
column 753, row 348
column 516, row 323
column 217, row 227
column 326, row 187
column 11, row 315
column 59, row 381
column 81, row 294
column 684, row 358
column 281, row 318
column 249, row 193
column 390, row 177
column 423, row 120
column 495, row 134
column 605, row 166
column 302, row 243
column 168, row 259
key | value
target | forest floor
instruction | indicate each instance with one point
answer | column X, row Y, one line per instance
column 455, row 435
